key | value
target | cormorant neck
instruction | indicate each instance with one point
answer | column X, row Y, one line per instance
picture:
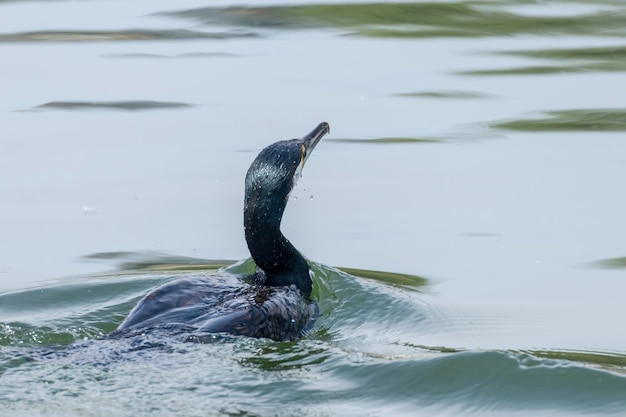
column 269, row 181
column 280, row 261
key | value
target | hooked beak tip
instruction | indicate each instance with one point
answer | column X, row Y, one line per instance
column 317, row 134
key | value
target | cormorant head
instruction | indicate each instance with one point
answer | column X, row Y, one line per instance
column 277, row 168
column 269, row 180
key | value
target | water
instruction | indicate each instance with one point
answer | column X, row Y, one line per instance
column 360, row 356
column 476, row 154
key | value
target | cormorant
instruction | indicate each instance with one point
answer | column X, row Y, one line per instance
column 274, row 302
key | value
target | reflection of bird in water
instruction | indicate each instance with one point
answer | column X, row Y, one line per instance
column 275, row 301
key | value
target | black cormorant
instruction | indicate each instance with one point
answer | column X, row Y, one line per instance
column 274, row 302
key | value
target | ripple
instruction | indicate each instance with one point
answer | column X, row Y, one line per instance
column 115, row 35
column 415, row 20
column 528, row 70
column 612, row 361
column 141, row 55
column 567, row 60
column 389, row 140
column 364, row 350
column 443, row 94
column 387, row 277
column 608, row 120
column 130, row 105
column 480, row 382
column 610, row 263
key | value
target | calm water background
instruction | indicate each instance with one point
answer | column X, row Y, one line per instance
column 477, row 151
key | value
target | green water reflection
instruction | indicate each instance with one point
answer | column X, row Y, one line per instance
column 444, row 94
column 116, row 35
column 567, row 60
column 416, row 20
column 611, row 263
column 113, row 105
column 607, row 120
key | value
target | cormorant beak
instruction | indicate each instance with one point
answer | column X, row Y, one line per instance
column 312, row 139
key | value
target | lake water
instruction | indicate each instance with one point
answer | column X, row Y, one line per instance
column 464, row 218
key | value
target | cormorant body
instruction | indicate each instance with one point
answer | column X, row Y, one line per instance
column 275, row 301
